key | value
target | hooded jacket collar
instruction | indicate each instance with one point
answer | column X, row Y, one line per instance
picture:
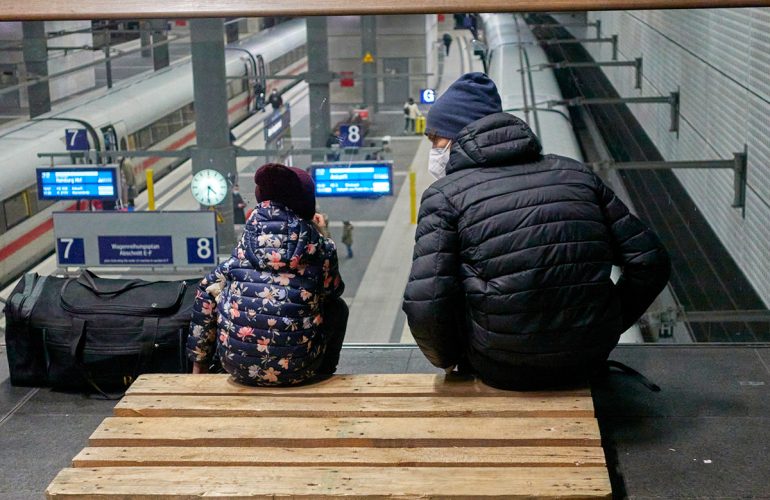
column 496, row 140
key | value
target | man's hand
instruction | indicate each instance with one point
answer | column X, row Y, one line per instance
column 199, row 368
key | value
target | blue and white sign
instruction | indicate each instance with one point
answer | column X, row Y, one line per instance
column 133, row 250
column 427, row 96
column 126, row 239
column 77, row 183
column 351, row 136
column 70, row 251
column 277, row 124
column 353, row 179
column 76, row 139
column 201, row 251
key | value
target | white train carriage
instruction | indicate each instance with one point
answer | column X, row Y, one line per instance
column 150, row 111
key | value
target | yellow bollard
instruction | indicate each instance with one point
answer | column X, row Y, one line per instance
column 419, row 125
column 150, row 190
column 413, row 197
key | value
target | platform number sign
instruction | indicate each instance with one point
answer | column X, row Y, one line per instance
column 70, row 251
column 200, row 251
column 427, row 96
column 76, row 139
column 351, row 136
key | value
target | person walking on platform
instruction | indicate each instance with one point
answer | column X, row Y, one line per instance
column 273, row 311
column 347, row 237
column 513, row 252
column 447, row 39
column 239, row 206
column 275, row 100
column 411, row 112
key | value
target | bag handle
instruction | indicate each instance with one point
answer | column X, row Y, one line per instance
column 77, row 345
column 86, row 279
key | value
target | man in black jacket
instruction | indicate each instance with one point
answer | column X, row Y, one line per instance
column 513, row 252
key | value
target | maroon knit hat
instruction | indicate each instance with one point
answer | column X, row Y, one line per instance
column 289, row 186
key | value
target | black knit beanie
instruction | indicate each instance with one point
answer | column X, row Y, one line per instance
column 471, row 97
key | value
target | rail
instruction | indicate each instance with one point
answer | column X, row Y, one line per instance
column 13, row 10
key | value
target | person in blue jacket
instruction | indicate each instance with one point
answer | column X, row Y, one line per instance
column 273, row 312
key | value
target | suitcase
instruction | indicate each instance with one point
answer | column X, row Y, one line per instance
column 95, row 334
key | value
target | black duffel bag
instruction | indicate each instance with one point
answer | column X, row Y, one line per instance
column 97, row 334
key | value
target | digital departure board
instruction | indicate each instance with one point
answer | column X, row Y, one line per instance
column 353, row 179
column 78, row 182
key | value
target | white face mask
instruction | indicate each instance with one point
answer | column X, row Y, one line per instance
column 439, row 157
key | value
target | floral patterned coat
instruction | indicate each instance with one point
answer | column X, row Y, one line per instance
column 262, row 308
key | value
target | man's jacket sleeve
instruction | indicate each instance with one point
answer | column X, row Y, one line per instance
column 637, row 250
column 433, row 300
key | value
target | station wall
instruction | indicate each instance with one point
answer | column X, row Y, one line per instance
column 719, row 60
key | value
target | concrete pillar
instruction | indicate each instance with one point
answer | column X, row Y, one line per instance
column 318, row 83
column 145, row 37
column 213, row 150
column 160, row 58
column 369, row 46
column 35, row 48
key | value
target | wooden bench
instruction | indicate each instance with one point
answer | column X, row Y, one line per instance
column 362, row 436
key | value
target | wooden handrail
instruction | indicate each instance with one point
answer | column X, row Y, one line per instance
column 15, row 10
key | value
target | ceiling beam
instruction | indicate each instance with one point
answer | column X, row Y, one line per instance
column 16, row 10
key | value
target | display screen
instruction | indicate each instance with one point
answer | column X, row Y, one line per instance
column 74, row 183
column 353, row 179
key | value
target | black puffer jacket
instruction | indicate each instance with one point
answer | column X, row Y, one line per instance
column 512, row 261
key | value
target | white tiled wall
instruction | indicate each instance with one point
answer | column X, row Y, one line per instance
column 719, row 60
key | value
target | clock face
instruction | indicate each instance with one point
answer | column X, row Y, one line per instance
column 209, row 187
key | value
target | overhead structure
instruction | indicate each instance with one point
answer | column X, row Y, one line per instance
column 12, row 10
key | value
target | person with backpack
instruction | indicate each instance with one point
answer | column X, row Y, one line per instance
column 273, row 313
column 513, row 252
column 411, row 112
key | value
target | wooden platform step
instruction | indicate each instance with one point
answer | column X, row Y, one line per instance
column 361, row 436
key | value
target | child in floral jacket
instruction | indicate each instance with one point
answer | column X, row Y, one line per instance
column 273, row 310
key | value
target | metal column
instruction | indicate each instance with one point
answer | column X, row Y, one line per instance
column 318, row 79
column 369, row 69
column 160, row 57
column 36, row 62
column 213, row 148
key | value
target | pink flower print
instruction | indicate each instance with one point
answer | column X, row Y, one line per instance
column 251, row 313
column 271, row 375
column 283, row 279
column 271, row 323
column 199, row 353
column 198, row 294
column 311, row 248
column 284, row 363
column 268, row 295
column 223, row 336
column 306, row 323
column 245, row 332
column 241, row 254
column 253, row 371
column 293, row 236
column 263, row 239
column 274, row 261
column 318, row 320
column 294, row 262
column 262, row 344
column 234, row 312
column 207, row 307
column 305, row 295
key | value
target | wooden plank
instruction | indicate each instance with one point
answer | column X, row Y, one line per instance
column 11, row 10
column 354, row 406
column 353, row 385
column 365, row 432
column 167, row 456
column 326, row 482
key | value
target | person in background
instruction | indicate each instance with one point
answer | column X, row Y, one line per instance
column 333, row 142
column 239, row 206
column 514, row 249
column 411, row 112
column 128, row 179
column 347, row 237
column 447, row 39
column 273, row 311
column 275, row 100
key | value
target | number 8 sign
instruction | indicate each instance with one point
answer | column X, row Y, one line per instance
column 351, row 136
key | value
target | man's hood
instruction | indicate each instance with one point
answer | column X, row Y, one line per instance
column 496, row 140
